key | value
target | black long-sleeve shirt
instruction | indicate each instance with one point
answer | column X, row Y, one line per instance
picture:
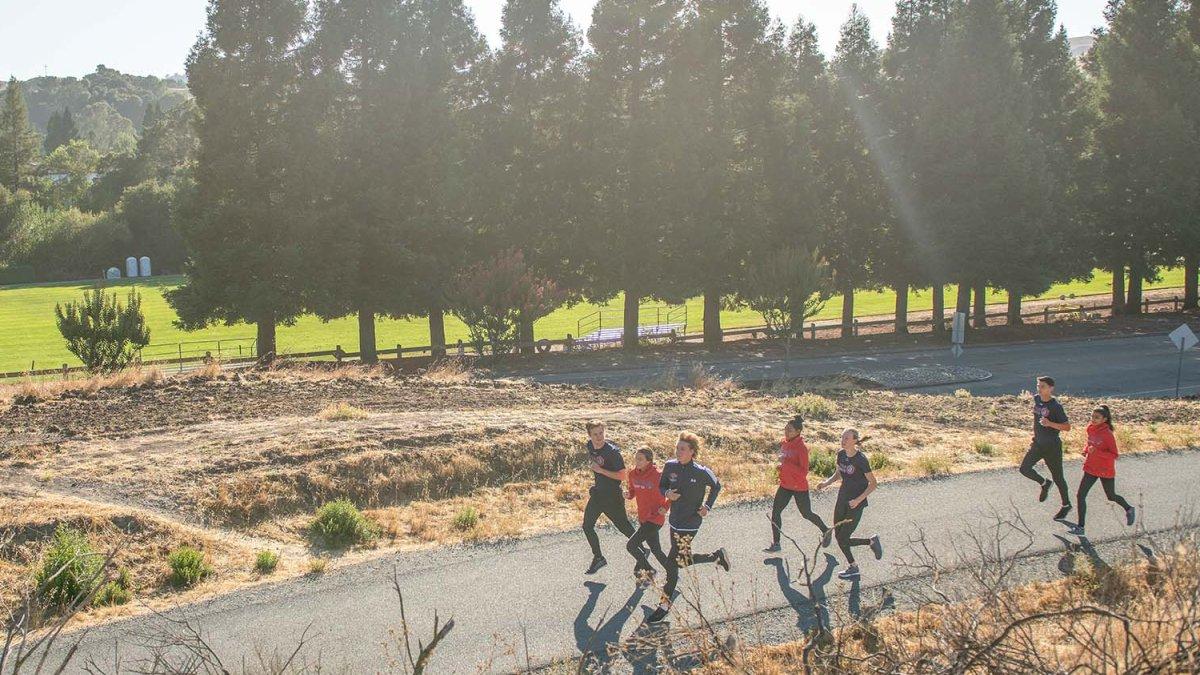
column 691, row 480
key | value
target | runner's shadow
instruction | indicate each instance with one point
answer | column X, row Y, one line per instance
column 868, row 613
column 598, row 645
column 807, row 608
column 1066, row 564
column 648, row 649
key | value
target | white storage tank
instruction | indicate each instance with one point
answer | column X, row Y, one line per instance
column 112, row 274
column 131, row 267
column 144, row 266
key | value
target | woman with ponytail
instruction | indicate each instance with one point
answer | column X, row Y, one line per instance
column 793, row 484
column 1100, row 464
column 858, row 481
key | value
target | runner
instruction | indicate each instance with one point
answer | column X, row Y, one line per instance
column 605, row 495
column 1100, row 465
column 684, row 482
column 1049, row 419
column 793, row 484
column 652, row 512
column 858, row 481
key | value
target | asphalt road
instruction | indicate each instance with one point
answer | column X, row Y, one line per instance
column 528, row 602
column 1143, row 366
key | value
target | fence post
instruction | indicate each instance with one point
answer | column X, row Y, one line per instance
column 218, row 349
column 1146, row 306
column 569, row 344
column 812, row 330
column 856, row 328
column 1175, row 303
column 399, row 351
column 180, row 345
column 1045, row 314
column 461, row 351
column 66, row 372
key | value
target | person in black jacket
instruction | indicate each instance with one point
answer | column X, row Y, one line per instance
column 605, row 496
column 692, row 489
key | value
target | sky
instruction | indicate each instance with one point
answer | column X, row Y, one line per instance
column 152, row 37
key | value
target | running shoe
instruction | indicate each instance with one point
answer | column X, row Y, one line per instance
column 1062, row 513
column 850, row 573
column 722, row 559
column 1130, row 515
column 877, row 547
column 1077, row 530
column 773, row 548
column 597, row 563
column 658, row 615
column 1045, row 491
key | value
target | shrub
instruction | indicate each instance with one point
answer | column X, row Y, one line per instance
column 341, row 412
column 822, row 463
column 339, row 524
column 880, row 461
column 933, row 464
column 116, row 592
column 317, row 565
column 466, row 519
column 70, row 569
column 266, row 562
column 492, row 298
column 102, row 332
column 188, row 567
column 984, row 448
column 814, row 407
column 786, row 287
column 962, row 393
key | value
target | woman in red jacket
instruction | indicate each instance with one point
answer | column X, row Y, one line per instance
column 652, row 509
column 1100, row 464
column 793, row 483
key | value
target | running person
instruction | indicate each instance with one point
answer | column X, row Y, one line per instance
column 793, row 483
column 858, row 481
column 652, row 512
column 1100, row 465
column 684, row 482
column 605, row 497
column 1049, row 420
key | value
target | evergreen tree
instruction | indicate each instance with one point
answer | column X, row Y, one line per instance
column 18, row 140
column 240, row 225
column 60, row 130
column 622, row 246
column 1146, row 145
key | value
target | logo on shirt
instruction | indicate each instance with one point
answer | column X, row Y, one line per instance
column 673, row 477
column 847, row 469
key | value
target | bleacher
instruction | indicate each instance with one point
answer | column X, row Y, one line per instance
column 598, row 329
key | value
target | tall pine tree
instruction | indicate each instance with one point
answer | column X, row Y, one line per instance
column 60, row 130
column 18, row 141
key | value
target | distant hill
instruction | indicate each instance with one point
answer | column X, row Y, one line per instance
column 1081, row 45
column 108, row 105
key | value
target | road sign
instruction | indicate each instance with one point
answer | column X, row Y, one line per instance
column 1183, row 338
column 959, row 333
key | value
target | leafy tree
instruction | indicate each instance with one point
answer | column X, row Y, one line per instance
column 71, row 168
column 107, row 129
column 240, row 231
column 18, row 141
column 786, row 287
column 104, row 334
column 492, row 297
column 147, row 210
column 60, row 130
column 621, row 247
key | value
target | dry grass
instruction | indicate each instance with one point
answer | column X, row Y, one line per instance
column 342, row 412
column 31, row 390
column 449, row 371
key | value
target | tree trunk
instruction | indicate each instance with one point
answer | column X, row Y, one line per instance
column 848, row 312
column 901, row 308
column 1118, row 289
column 1014, row 308
column 629, row 338
column 525, row 335
column 1133, row 299
column 366, row 337
column 437, row 331
column 713, row 337
column 981, row 305
column 939, row 307
column 1191, row 284
column 266, row 339
column 962, row 303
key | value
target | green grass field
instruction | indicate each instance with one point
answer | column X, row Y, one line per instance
column 30, row 339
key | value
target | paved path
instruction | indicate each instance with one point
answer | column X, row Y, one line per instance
column 1141, row 366
column 533, row 592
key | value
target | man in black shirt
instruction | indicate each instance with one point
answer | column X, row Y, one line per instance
column 1049, row 420
column 605, row 497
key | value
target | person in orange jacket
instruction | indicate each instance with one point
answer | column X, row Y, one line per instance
column 793, row 484
column 652, row 509
column 1100, row 464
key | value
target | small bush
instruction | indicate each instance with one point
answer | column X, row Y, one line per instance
column 466, row 519
column 933, row 464
column 341, row 412
column 880, row 461
column 962, row 393
column 985, row 449
column 814, row 407
column 822, row 463
column 317, row 565
column 266, row 562
column 116, row 592
column 188, row 567
column 339, row 524
column 70, row 569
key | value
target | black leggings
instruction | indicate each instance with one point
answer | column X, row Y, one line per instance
column 647, row 533
column 843, row 512
column 611, row 504
column 782, row 496
column 1110, row 491
column 1052, row 455
column 681, row 556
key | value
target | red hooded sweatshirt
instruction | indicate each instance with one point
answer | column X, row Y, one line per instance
column 643, row 486
column 1101, row 452
column 793, row 465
